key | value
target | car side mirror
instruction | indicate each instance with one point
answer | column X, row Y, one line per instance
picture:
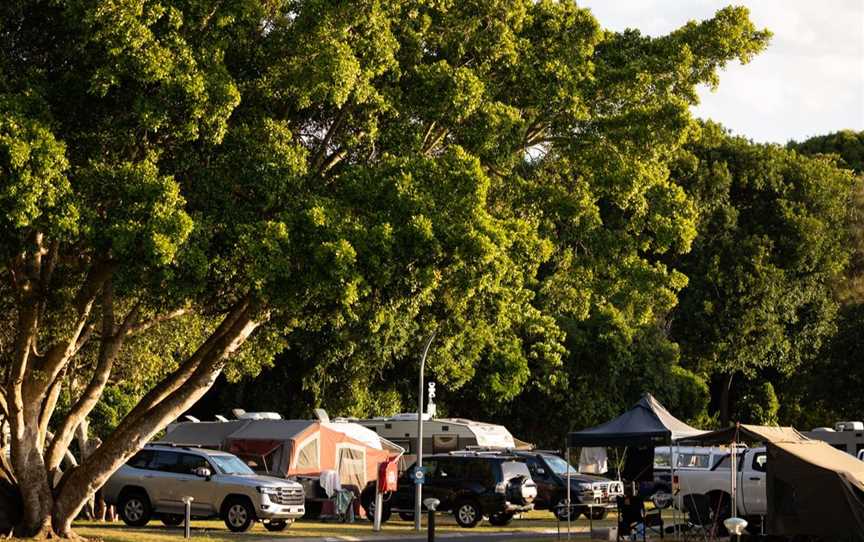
column 203, row 472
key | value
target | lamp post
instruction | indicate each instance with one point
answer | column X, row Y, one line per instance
column 418, row 487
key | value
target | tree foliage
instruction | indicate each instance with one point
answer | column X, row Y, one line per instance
column 189, row 188
column 771, row 242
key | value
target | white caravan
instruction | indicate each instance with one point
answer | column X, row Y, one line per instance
column 440, row 435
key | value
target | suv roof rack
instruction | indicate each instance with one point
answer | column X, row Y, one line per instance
column 483, row 453
column 497, row 449
column 173, row 445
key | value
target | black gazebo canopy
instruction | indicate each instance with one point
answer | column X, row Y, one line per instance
column 648, row 422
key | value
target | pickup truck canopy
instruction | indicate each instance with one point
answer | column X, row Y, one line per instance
column 648, row 422
column 812, row 488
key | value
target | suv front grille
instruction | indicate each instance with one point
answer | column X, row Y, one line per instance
column 289, row 496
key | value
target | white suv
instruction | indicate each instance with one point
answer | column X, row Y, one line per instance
column 158, row 478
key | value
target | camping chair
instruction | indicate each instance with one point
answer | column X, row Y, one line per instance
column 699, row 515
column 632, row 515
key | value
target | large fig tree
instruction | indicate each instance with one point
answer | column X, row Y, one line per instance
column 252, row 170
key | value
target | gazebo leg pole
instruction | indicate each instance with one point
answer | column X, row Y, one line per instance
column 569, row 508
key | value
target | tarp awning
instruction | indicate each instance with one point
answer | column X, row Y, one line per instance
column 812, row 489
column 743, row 433
column 648, row 422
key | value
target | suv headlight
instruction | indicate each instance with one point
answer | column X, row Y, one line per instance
column 266, row 490
column 585, row 488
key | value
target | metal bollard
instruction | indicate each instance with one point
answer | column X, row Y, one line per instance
column 431, row 505
column 376, row 517
column 188, row 517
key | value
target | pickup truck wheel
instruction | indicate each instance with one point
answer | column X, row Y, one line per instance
column 135, row 509
column 238, row 515
column 467, row 513
column 662, row 500
column 597, row 513
column 501, row 519
column 721, row 508
column 171, row 520
column 277, row 525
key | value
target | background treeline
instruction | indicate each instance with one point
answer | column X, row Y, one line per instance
column 768, row 328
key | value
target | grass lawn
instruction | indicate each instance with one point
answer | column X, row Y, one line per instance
column 215, row 530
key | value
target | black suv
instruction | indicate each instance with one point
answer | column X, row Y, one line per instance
column 470, row 485
column 549, row 472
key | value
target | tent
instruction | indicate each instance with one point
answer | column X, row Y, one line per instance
column 812, row 488
column 293, row 447
column 647, row 423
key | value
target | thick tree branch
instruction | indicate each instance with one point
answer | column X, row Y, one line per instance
column 112, row 342
column 138, row 327
column 132, row 434
column 321, row 153
column 48, row 406
column 186, row 369
column 58, row 355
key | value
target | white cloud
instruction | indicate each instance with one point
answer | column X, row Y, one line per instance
column 810, row 81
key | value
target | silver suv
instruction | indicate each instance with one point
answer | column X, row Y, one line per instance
column 157, row 479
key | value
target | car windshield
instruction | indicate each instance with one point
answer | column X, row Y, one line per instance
column 559, row 466
column 231, row 464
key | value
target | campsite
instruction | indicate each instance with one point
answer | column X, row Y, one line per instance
column 432, row 269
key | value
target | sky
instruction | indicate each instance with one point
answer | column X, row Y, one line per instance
column 810, row 80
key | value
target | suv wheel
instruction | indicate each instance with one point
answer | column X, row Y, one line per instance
column 277, row 525
column 171, row 520
column 501, row 519
column 367, row 500
column 135, row 509
column 467, row 513
column 598, row 513
column 562, row 512
column 238, row 515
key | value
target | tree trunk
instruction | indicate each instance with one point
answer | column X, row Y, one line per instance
column 29, row 468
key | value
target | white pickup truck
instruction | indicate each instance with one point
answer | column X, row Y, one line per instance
column 716, row 482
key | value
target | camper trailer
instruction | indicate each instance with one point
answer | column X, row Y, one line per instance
column 440, row 435
column 845, row 436
column 296, row 448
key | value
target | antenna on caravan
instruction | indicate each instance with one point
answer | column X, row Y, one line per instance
column 321, row 414
column 238, row 412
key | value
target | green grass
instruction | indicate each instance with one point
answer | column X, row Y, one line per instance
column 215, row 531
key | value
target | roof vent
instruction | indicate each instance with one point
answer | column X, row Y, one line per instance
column 321, row 414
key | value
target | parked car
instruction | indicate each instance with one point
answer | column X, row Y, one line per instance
column 549, row 472
column 470, row 485
column 155, row 481
column 716, row 481
column 684, row 458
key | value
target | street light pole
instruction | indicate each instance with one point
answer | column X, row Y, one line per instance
column 418, row 488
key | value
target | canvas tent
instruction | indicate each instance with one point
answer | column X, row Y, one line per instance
column 812, row 489
column 647, row 423
column 293, row 447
